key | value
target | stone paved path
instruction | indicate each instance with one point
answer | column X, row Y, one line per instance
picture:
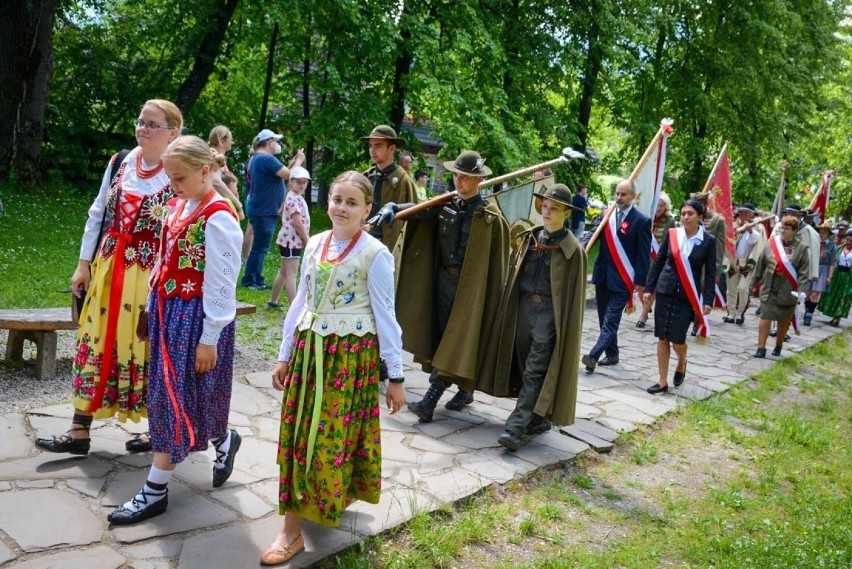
column 53, row 508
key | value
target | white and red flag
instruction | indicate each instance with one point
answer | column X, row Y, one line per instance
column 648, row 173
column 819, row 203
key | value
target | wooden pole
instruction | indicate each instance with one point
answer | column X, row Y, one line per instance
column 522, row 172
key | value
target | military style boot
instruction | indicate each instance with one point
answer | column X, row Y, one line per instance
column 426, row 406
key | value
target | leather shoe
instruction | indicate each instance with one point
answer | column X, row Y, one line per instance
column 728, row 320
column 776, row 351
column 459, row 401
column 679, row 376
column 657, row 388
column 510, row 441
column 221, row 475
column 740, row 320
column 139, row 444
column 279, row 554
column 760, row 353
column 65, row 443
column 589, row 363
column 121, row 516
column 608, row 361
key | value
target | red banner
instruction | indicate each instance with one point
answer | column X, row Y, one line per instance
column 721, row 201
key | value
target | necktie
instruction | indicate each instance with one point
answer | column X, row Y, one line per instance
column 619, row 217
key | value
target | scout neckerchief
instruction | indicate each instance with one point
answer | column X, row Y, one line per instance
column 677, row 239
column 786, row 268
column 619, row 256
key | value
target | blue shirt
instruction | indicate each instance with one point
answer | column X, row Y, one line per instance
column 578, row 217
column 265, row 187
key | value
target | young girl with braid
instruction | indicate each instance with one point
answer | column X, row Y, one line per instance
column 191, row 311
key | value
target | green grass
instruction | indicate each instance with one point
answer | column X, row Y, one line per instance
column 758, row 477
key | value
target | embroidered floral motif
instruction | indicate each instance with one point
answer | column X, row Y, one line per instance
column 188, row 287
column 192, row 247
column 170, row 286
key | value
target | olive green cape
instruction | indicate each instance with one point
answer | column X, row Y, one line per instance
column 501, row 376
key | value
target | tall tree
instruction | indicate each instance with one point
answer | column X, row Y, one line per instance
column 26, row 64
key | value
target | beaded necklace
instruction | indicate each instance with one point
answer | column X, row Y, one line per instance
column 176, row 225
column 145, row 174
column 345, row 252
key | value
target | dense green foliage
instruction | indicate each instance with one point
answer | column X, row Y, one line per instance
column 516, row 79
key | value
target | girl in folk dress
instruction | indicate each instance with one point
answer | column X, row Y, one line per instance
column 191, row 310
column 110, row 371
column 293, row 236
column 838, row 299
column 340, row 323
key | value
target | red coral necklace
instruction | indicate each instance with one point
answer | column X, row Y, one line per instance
column 145, row 174
column 345, row 251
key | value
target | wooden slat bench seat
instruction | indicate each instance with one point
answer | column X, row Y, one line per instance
column 39, row 325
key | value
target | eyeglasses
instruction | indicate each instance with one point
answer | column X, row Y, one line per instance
column 151, row 125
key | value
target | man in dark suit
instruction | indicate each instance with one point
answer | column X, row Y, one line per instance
column 632, row 229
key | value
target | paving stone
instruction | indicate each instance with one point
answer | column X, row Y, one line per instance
column 590, row 397
column 452, row 485
column 251, row 402
column 714, row 386
column 560, row 442
column 187, row 511
column 639, row 400
column 64, row 410
column 469, row 415
column 393, row 448
column 13, row 433
column 618, row 372
column 589, row 381
column 618, row 425
column 400, row 422
column 596, row 429
column 255, row 461
column 583, row 411
column 149, row 564
column 483, row 436
column 136, row 459
column 395, row 507
column 267, row 491
column 87, row 486
column 6, row 554
column 49, row 465
column 238, row 420
column 243, row 501
column 46, row 483
column 46, row 524
column 167, row 547
column 600, row 445
column 100, row 557
column 693, row 392
column 240, row 545
column 489, row 413
column 435, row 462
column 268, row 428
column 428, row 444
column 5, row 486
column 624, row 412
column 443, row 427
column 259, row 379
column 542, row 455
column 492, row 464
column 47, row 426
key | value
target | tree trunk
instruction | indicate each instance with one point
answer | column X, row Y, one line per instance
column 26, row 66
column 269, row 67
column 594, row 60
column 402, row 68
column 205, row 57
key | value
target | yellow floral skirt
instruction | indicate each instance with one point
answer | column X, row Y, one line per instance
column 124, row 388
column 344, row 461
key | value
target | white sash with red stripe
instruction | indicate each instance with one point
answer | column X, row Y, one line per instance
column 619, row 258
column 787, row 269
column 677, row 239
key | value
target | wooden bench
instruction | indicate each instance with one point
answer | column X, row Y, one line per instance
column 39, row 325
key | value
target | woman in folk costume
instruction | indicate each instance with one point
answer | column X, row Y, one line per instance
column 340, row 323
column 836, row 301
column 782, row 274
column 110, row 370
column 534, row 350
column 191, row 313
column 683, row 278
column 662, row 222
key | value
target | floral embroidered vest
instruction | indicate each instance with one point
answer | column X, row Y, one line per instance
column 338, row 300
column 181, row 272
column 142, row 228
